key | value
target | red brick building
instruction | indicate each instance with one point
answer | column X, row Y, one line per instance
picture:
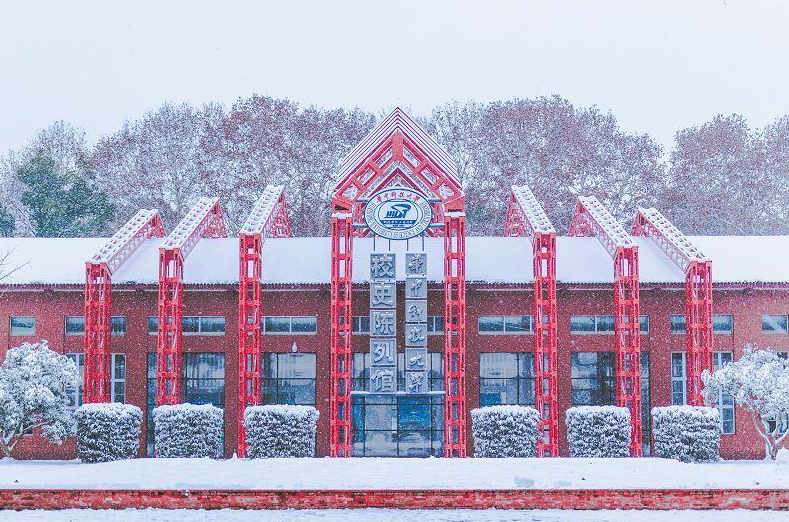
column 295, row 297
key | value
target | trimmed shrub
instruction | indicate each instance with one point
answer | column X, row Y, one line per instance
column 598, row 431
column 505, row 431
column 687, row 433
column 188, row 430
column 107, row 432
column 278, row 431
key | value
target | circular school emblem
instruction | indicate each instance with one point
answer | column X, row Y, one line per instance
column 398, row 213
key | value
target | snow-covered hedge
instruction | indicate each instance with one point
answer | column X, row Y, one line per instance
column 504, row 431
column 598, row 431
column 188, row 430
column 687, row 433
column 108, row 432
column 277, row 431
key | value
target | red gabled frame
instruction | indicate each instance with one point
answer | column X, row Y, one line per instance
column 145, row 224
column 268, row 219
column 526, row 218
column 592, row 219
column 398, row 153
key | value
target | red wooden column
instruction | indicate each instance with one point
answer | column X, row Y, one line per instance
column 340, row 440
column 455, row 334
column 98, row 329
column 698, row 325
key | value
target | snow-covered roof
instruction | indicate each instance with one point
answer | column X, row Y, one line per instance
column 47, row 260
column 306, row 260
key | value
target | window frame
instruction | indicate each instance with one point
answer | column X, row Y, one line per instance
column 684, row 324
column 730, row 332
column 504, row 330
column 76, row 395
column 275, row 383
column 776, row 332
column 11, row 325
column 117, row 380
column 432, row 321
column 66, row 326
column 522, row 360
column 290, row 320
column 200, row 331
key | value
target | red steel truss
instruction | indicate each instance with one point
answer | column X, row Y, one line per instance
column 269, row 218
column 397, row 153
column 526, row 218
column 649, row 222
column 341, row 327
column 592, row 219
column 202, row 220
column 455, row 334
column 98, row 299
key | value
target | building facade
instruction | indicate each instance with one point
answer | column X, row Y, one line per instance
column 300, row 318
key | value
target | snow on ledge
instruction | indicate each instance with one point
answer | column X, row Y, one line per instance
column 392, row 473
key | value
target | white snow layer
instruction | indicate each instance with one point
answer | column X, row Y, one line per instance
column 367, row 515
column 393, row 473
column 307, row 260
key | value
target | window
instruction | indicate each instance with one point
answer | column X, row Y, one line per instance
column 774, row 324
column 23, row 325
column 200, row 325
column 398, row 425
column 75, row 325
column 118, row 325
column 678, row 324
column 150, row 401
column 435, row 324
column 153, row 324
column 361, row 324
column 75, row 394
column 679, row 382
column 203, row 382
column 722, row 324
column 504, row 324
column 602, row 324
column 204, row 378
column 190, row 325
column 592, row 376
column 643, row 324
column 288, row 378
column 118, row 377
column 592, row 324
column 506, row 378
column 725, row 402
column 283, row 325
column 646, row 405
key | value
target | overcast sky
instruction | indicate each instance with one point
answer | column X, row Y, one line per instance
column 658, row 66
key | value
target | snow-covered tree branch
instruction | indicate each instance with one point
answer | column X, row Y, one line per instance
column 33, row 383
column 759, row 382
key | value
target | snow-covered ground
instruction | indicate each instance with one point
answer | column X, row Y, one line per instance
column 368, row 515
column 371, row 473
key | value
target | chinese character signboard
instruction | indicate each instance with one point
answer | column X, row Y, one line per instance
column 383, row 324
column 416, row 323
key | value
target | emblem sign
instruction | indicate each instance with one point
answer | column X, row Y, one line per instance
column 398, row 213
column 416, row 323
column 383, row 324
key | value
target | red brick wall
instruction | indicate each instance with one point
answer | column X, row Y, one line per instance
column 400, row 499
column 50, row 308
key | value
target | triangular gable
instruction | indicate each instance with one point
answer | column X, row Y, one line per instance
column 397, row 146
